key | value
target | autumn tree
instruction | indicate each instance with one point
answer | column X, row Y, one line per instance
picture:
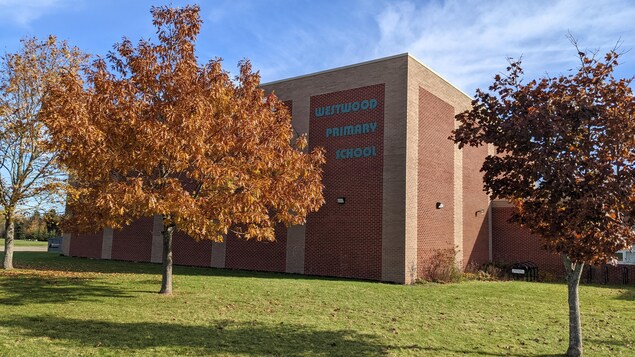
column 155, row 133
column 565, row 157
column 52, row 221
column 28, row 173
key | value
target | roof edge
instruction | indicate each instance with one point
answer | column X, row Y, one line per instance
column 405, row 54
column 438, row 75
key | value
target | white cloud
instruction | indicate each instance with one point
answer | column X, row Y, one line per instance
column 23, row 12
column 468, row 42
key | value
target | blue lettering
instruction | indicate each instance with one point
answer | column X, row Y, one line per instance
column 363, row 128
column 355, row 153
column 340, row 108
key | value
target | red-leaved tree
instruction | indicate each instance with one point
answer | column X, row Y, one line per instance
column 565, row 157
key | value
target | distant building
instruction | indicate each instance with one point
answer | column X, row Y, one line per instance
column 397, row 190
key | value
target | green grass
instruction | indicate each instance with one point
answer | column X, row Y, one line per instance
column 25, row 243
column 72, row 306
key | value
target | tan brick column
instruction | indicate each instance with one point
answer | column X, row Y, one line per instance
column 491, row 150
column 295, row 249
column 218, row 254
column 296, row 235
column 458, row 201
column 106, row 244
column 398, row 257
column 66, row 243
column 157, row 240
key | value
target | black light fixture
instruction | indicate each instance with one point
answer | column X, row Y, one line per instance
column 341, row 200
column 439, row 205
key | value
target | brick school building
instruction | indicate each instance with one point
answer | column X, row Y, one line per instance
column 397, row 190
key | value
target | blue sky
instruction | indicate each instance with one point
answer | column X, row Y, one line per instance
column 467, row 42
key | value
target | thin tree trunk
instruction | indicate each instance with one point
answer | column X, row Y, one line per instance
column 574, row 271
column 9, row 232
column 166, row 282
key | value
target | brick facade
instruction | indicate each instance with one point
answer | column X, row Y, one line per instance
column 257, row 255
column 476, row 214
column 133, row 242
column 187, row 251
column 435, row 228
column 86, row 245
column 345, row 239
column 389, row 224
column 513, row 244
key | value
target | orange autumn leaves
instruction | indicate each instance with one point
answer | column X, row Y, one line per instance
column 148, row 131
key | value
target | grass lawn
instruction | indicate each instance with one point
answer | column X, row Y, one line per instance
column 71, row 306
column 25, row 243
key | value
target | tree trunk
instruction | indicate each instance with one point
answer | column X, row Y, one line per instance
column 574, row 271
column 166, row 282
column 9, row 232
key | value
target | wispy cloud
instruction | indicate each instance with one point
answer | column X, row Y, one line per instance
column 23, row 12
column 465, row 41
column 469, row 41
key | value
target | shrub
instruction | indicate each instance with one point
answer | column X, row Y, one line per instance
column 491, row 271
column 39, row 236
column 442, row 267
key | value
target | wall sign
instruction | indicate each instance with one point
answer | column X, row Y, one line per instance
column 342, row 108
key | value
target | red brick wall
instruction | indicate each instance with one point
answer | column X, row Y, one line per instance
column 475, row 227
column 345, row 239
column 187, row 251
column 435, row 228
column 133, row 242
column 513, row 244
column 86, row 245
column 254, row 255
column 289, row 104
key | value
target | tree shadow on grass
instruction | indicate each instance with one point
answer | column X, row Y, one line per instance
column 626, row 293
column 220, row 337
column 436, row 351
column 612, row 344
column 26, row 288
